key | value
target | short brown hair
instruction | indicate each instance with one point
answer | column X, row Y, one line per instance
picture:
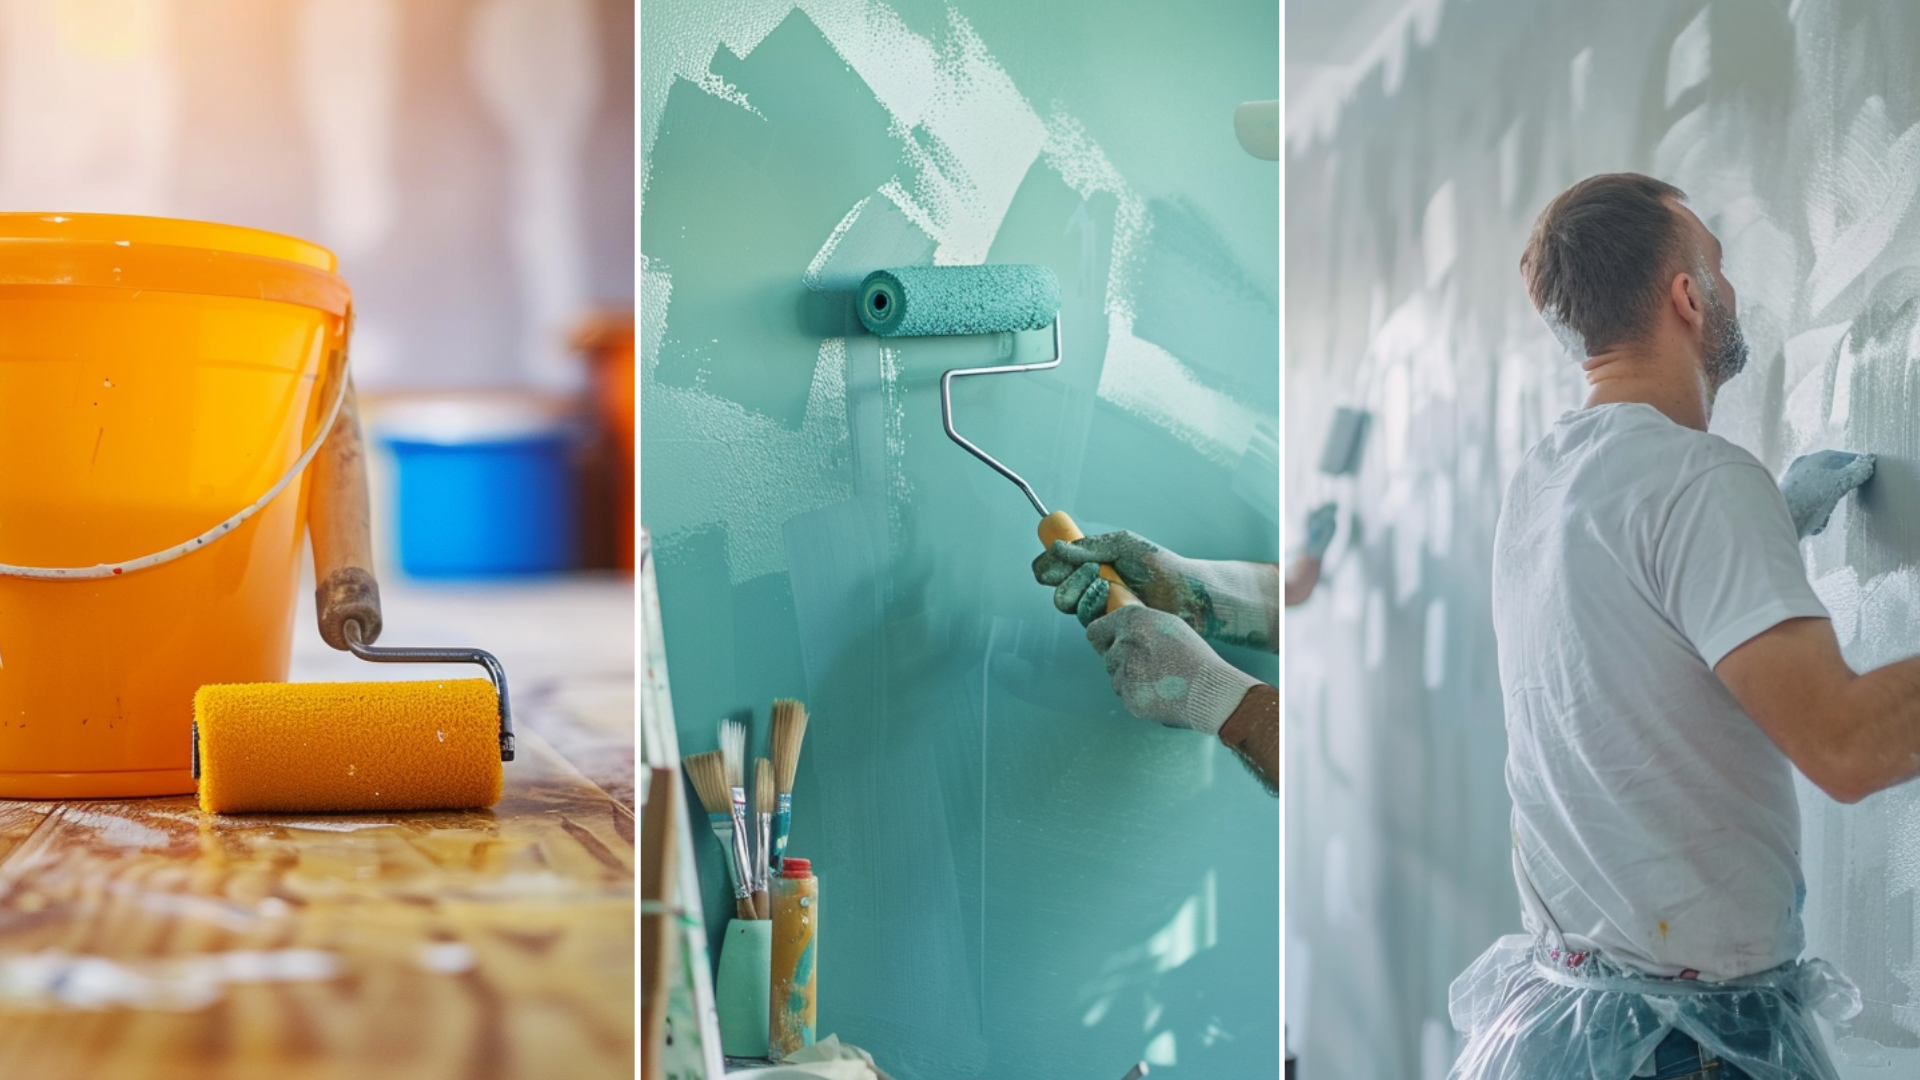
column 1601, row 255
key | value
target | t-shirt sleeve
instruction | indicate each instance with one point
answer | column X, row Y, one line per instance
column 1729, row 561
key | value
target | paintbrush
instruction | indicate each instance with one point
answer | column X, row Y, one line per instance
column 708, row 772
column 763, row 832
column 733, row 747
column 789, row 729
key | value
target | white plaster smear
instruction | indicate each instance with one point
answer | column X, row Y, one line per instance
column 1689, row 61
column 740, row 466
column 1854, row 208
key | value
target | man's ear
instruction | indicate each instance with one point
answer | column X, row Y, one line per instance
column 1688, row 303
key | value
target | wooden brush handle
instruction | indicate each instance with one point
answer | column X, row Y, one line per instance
column 1058, row 526
column 743, row 908
column 337, row 518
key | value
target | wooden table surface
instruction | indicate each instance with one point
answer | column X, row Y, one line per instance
column 143, row 940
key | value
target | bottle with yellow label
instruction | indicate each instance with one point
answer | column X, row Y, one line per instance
column 796, row 919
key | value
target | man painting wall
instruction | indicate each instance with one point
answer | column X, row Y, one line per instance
column 1664, row 665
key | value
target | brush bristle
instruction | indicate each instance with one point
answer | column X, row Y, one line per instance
column 733, row 745
column 762, row 786
column 789, row 731
column 708, row 772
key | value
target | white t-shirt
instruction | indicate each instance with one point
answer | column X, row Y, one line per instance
column 1652, row 819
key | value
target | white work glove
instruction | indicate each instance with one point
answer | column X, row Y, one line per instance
column 1320, row 527
column 1815, row 483
column 1164, row 672
column 1234, row 602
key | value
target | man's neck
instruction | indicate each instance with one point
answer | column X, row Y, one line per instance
column 1677, row 388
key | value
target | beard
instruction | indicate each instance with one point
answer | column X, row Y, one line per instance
column 1726, row 344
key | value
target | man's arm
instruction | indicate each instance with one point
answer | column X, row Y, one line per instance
column 1852, row 735
column 1302, row 575
column 1253, row 733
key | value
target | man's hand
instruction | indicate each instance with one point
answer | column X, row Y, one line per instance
column 1234, row 602
column 1320, row 528
column 1162, row 670
column 1815, row 484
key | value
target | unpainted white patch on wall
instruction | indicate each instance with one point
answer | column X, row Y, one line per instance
column 1439, row 233
column 1314, row 113
column 873, row 235
column 346, row 69
column 963, row 124
column 1839, row 591
column 89, row 105
column 1338, row 906
column 1436, row 1049
column 680, row 40
column 737, row 468
column 1578, row 74
column 1842, row 409
column 1439, row 513
column 1510, row 165
column 1690, row 59
column 725, row 91
column 1375, row 630
column 1349, row 604
column 1433, row 669
column 1152, row 383
column 536, row 65
column 1162, row 1050
column 1855, row 207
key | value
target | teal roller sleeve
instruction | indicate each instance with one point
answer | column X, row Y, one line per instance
column 913, row 301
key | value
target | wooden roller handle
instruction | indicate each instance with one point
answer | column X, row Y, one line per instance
column 1058, row 526
column 337, row 518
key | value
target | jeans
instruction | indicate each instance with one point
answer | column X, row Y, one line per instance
column 1679, row 1057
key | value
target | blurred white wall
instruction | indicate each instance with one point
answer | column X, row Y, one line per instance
column 471, row 161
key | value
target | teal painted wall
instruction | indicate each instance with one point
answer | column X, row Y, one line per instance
column 1018, row 879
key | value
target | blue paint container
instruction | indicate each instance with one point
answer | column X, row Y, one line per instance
column 482, row 488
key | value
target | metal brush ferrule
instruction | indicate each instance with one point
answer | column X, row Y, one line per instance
column 742, row 845
column 390, row 655
column 946, row 413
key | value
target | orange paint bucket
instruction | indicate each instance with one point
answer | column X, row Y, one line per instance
column 159, row 380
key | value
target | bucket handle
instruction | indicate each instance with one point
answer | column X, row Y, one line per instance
column 144, row 562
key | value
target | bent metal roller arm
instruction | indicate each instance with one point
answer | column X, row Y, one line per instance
column 1055, row 525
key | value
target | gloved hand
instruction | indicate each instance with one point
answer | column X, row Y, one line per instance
column 1163, row 671
column 1815, row 483
column 1234, row 602
column 1320, row 526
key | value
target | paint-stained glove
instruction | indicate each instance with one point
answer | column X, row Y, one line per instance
column 1233, row 602
column 1320, row 526
column 1164, row 672
column 1815, row 483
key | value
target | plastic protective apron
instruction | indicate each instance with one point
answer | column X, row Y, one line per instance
column 1531, row 1010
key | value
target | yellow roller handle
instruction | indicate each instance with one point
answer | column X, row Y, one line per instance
column 1058, row 526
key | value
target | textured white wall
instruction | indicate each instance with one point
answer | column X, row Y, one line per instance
column 1793, row 127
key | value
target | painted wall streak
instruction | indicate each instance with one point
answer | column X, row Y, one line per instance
column 1793, row 128
column 1017, row 878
